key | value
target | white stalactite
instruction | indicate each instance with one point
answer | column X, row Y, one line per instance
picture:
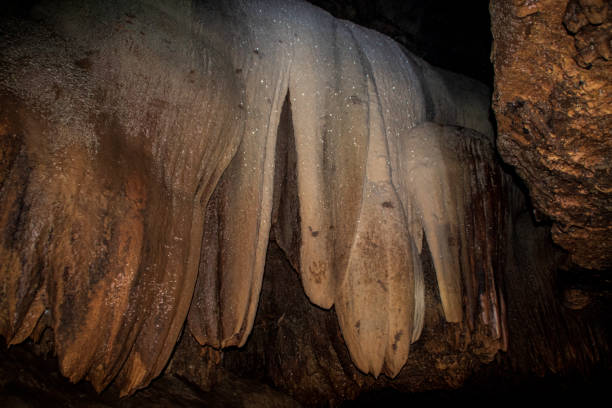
column 391, row 155
column 370, row 177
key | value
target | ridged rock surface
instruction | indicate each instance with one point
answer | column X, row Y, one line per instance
column 139, row 182
column 553, row 104
column 114, row 142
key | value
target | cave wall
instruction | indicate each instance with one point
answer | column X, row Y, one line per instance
column 553, row 111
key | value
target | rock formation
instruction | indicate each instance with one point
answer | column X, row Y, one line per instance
column 552, row 104
column 151, row 151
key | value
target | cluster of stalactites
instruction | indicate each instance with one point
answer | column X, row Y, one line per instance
column 113, row 243
column 373, row 173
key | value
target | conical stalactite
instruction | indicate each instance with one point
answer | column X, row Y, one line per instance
column 450, row 176
column 225, row 303
column 105, row 190
column 112, row 162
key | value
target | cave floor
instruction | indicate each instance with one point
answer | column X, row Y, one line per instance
column 27, row 381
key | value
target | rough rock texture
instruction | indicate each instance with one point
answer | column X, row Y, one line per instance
column 30, row 378
column 553, row 104
column 151, row 149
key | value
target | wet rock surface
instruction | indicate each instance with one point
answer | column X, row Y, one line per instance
column 554, row 115
column 30, row 378
column 452, row 35
column 111, row 267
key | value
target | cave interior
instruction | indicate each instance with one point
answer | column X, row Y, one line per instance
column 529, row 321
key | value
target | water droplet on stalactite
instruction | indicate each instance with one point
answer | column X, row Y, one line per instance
column 350, row 69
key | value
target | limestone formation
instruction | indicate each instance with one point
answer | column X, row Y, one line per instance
column 138, row 182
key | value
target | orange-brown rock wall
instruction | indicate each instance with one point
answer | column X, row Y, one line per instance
column 552, row 101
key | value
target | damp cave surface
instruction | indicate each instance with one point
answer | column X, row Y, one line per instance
column 455, row 36
column 31, row 381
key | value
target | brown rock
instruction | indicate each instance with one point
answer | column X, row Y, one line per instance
column 552, row 103
column 378, row 178
column 596, row 11
column 100, row 201
column 574, row 18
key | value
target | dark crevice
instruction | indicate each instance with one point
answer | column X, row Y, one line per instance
column 286, row 222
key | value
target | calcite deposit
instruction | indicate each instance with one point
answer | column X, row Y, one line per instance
column 156, row 157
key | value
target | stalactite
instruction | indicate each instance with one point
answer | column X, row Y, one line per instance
column 104, row 194
column 108, row 220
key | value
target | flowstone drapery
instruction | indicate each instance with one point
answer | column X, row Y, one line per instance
column 138, row 181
